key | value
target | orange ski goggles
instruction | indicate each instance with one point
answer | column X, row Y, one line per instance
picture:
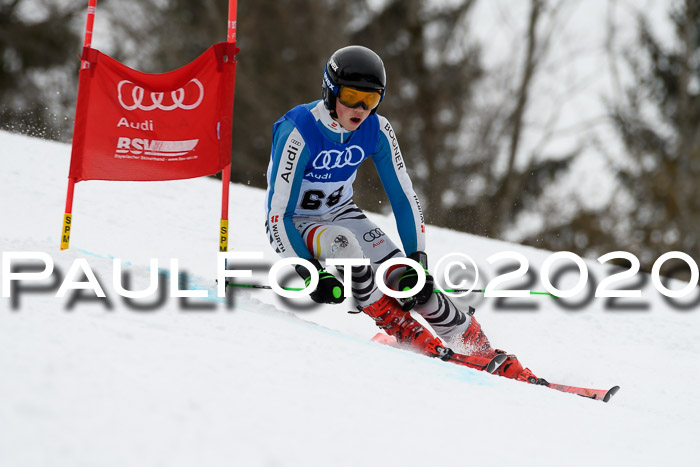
column 352, row 98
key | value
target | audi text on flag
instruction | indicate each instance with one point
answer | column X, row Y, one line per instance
column 138, row 126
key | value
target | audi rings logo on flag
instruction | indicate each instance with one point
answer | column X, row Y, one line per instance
column 334, row 159
column 372, row 235
column 133, row 97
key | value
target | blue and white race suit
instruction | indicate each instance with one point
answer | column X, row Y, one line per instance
column 310, row 212
column 313, row 166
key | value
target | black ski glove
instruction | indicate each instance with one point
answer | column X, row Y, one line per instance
column 329, row 289
column 409, row 279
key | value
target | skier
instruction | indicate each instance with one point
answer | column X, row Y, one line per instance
column 316, row 150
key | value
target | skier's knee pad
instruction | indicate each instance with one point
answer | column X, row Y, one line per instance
column 334, row 242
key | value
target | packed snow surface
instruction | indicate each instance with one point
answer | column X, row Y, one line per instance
column 255, row 380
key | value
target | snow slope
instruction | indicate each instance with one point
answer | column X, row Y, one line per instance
column 267, row 382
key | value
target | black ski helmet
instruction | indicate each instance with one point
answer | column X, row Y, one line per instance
column 354, row 66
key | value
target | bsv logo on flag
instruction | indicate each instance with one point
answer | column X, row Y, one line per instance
column 133, row 97
column 154, row 147
column 334, row 159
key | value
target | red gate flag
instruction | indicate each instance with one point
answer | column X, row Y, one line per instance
column 137, row 126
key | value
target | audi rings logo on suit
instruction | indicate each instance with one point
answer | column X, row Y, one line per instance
column 372, row 235
column 335, row 159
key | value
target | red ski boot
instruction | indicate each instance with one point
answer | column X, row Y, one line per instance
column 389, row 316
column 478, row 344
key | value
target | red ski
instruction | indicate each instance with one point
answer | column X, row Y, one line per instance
column 488, row 365
column 597, row 394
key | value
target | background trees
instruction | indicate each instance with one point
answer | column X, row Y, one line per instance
column 37, row 41
column 658, row 119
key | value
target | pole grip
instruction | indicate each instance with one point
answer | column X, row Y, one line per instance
column 223, row 226
column 223, row 236
column 68, row 215
column 65, row 232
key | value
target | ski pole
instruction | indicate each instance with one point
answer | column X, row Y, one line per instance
column 484, row 291
column 267, row 287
